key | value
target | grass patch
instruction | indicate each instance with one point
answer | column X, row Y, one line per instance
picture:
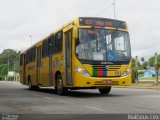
column 145, row 85
column 148, row 78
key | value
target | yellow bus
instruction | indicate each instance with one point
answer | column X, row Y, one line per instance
column 86, row 53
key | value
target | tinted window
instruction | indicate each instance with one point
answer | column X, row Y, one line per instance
column 21, row 59
column 51, row 44
column 58, row 42
column 31, row 55
column 45, row 48
column 33, row 50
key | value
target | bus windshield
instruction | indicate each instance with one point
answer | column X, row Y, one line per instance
column 103, row 45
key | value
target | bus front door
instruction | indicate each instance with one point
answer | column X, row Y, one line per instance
column 39, row 63
column 68, row 57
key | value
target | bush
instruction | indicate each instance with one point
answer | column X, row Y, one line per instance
column 133, row 74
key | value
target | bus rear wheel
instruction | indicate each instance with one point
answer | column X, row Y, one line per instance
column 30, row 84
column 32, row 87
column 60, row 89
column 105, row 90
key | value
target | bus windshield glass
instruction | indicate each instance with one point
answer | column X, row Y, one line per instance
column 103, row 45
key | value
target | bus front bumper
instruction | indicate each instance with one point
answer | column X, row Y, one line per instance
column 85, row 81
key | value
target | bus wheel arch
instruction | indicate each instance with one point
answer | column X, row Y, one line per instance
column 60, row 89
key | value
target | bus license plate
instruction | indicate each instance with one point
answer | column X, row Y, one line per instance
column 107, row 81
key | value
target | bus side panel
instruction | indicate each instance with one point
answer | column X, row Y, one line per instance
column 45, row 72
column 31, row 72
column 57, row 66
column 51, row 79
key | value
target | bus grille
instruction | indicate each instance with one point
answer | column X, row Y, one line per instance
column 104, row 70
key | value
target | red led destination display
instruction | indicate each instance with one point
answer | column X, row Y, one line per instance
column 102, row 22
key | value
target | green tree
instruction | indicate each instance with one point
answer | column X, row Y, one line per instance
column 142, row 60
column 133, row 70
column 152, row 61
column 3, row 70
column 13, row 57
column 145, row 64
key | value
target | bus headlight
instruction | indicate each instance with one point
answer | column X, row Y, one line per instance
column 128, row 71
column 82, row 71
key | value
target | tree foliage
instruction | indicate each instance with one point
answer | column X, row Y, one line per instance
column 145, row 65
column 152, row 61
column 9, row 56
column 142, row 59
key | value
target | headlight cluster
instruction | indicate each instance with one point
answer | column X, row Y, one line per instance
column 128, row 71
column 82, row 71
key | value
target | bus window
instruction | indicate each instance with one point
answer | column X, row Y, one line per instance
column 58, row 42
column 45, row 49
column 51, row 45
column 21, row 59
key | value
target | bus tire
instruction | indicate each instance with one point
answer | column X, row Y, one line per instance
column 30, row 83
column 60, row 89
column 105, row 90
column 31, row 87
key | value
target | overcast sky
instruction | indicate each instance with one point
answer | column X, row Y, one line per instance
column 21, row 18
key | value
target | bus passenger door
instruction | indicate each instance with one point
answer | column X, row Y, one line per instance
column 68, row 57
column 38, row 62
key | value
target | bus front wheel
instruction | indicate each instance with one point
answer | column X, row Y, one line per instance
column 105, row 90
column 60, row 89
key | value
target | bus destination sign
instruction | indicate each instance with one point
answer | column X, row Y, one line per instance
column 102, row 22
